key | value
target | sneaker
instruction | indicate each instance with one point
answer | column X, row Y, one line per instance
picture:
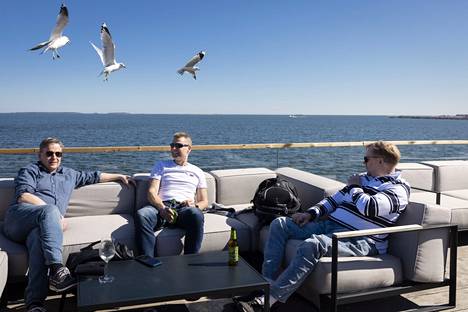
column 254, row 305
column 35, row 308
column 61, row 280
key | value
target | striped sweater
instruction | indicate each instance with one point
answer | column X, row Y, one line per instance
column 376, row 203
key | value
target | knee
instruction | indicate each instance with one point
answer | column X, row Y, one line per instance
column 146, row 213
column 196, row 215
column 50, row 211
column 313, row 247
column 279, row 223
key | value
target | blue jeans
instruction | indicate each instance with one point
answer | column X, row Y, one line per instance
column 316, row 243
column 148, row 220
column 39, row 227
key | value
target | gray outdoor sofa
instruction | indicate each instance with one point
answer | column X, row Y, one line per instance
column 100, row 209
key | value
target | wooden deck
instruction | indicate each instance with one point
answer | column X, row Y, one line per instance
column 408, row 302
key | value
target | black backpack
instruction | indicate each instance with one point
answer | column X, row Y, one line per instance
column 274, row 198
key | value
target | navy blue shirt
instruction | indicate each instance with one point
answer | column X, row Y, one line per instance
column 53, row 188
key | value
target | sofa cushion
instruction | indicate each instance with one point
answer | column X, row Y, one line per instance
column 449, row 175
column 458, row 208
column 101, row 199
column 460, row 194
column 7, row 194
column 216, row 235
column 142, row 189
column 238, row 186
column 17, row 257
column 419, row 176
column 311, row 188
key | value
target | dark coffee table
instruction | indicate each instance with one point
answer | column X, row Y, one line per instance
column 178, row 277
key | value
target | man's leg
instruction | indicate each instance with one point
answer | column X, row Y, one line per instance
column 282, row 229
column 191, row 219
column 36, row 291
column 146, row 220
column 308, row 254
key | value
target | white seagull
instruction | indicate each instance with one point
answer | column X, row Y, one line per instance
column 190, row 66
column 107, row 53
column 56, row 39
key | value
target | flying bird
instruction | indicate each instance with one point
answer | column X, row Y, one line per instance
column 56, row 39
column 107, row 53
column 190, row 66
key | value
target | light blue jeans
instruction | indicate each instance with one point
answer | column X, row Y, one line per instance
column 317, row 243
column 39, row 227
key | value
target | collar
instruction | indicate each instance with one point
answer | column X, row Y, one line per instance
column 44, row 169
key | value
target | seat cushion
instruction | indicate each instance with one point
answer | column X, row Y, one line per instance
column 238, row 186
column 449, row 175
column 17, row 257
column 7, row 194
column 3, row 270
column 169, row 241
column 461, row 194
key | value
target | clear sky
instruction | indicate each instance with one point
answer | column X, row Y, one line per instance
column 365, row 57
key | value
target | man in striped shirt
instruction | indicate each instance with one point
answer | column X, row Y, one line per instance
column 374, row 199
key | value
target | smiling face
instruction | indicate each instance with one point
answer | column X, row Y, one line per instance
column 180, row 149
column 51, row 156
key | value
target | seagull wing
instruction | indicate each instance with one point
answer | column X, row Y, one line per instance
column 62, row 21
column 99, row 52
column 193, row 61
column 107, row 46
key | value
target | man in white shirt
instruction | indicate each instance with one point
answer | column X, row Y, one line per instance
column 177, row 194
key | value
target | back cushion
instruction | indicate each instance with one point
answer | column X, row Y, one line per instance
column 422, row 253
column 449, row 175
column 102, row 199
column 7, row 194
column 311, row 188
column 418, row 175
column 238, row 186
column 143, row 184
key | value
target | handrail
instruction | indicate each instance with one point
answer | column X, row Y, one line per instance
column 162, row 148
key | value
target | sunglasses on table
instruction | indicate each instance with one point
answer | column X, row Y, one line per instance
column 178, row 145
column 57, row 154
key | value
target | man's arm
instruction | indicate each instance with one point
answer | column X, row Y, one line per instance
column 202, row 198
column 156, row 201
column 115, row 177
column 29, row 198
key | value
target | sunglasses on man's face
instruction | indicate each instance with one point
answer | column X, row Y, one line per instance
column 57, row 154
column 178, row 145
column 367, row 158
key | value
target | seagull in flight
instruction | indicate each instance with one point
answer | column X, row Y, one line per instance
column 190, row 66
column 56, row 39
column 107, row 53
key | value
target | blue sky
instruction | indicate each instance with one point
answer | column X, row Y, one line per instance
column 370, row 57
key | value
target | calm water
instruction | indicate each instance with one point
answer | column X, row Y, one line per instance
column 28, row 129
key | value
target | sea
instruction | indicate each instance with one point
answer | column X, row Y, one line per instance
column 26, row 130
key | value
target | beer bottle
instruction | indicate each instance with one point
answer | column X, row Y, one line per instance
column 233, row 248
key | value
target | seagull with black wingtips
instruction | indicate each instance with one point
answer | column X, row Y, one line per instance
column 190, row 66
column 56, row 39
column 107, row 53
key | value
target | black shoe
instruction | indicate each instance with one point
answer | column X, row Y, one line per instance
column 253, row 305
column 61, row 280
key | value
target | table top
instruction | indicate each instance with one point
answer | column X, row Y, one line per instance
column 176, row 278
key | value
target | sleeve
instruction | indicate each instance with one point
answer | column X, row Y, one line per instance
column 330, row 203
column 25, row 182
column 86, row 177
column 391, row 200
column 157, row 171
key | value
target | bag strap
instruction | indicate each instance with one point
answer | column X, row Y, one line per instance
column 90, row 246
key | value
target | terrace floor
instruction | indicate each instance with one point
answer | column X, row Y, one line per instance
column 408, row 302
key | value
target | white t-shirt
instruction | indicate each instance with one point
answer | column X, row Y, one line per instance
column 178, row 182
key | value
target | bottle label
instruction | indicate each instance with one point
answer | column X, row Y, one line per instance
column 234, row 255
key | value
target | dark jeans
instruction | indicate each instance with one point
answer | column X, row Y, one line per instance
column 148, row 220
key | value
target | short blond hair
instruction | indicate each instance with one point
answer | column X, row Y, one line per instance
column 179, row 135
column 388, row 151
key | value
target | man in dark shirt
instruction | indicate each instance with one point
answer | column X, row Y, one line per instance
column 36, row 218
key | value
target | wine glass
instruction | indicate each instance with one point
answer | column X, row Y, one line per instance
column 106, row 252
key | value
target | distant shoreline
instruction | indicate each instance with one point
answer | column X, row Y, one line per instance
column 452, row 117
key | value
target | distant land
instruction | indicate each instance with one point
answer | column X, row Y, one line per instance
column 456, row 117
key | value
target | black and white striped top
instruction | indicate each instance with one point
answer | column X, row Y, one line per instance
column 376, row 203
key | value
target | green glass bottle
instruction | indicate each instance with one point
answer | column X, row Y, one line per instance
column 233, row 248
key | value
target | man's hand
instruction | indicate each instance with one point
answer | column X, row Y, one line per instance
column 301, row 218
column 127, row 180
column 188, row 202
column 168, row 214
column 354, row 180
